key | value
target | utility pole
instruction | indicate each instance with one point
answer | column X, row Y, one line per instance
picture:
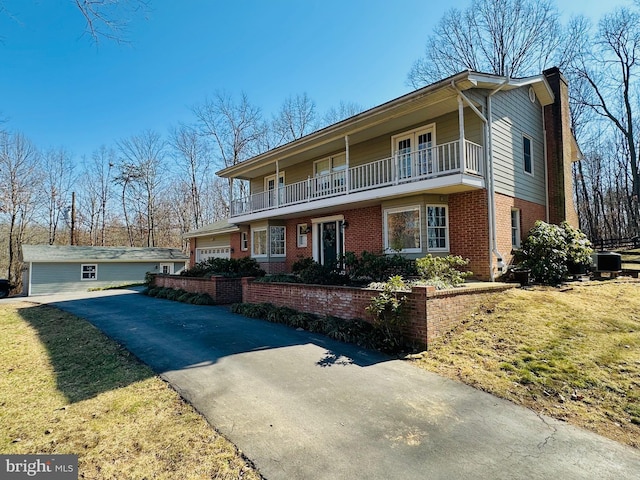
column 73, row 217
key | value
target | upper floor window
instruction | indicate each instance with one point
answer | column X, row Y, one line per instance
column 527, row 155
column 402, row 231
column 437, row 228
column 414, row 151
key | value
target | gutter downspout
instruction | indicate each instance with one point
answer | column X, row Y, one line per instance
column 493, row 236
column 489, row 174
column 546, row 166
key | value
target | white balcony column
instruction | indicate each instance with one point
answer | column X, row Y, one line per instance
column 346, row 172
column 277, row 186
column 231, row 212
column 463, row 160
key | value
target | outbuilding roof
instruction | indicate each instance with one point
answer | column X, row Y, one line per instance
column 75, row 253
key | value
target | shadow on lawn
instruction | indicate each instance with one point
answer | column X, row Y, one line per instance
column 166, row 336
column 86, row 362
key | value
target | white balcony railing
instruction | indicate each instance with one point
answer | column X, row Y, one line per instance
column 432, row 162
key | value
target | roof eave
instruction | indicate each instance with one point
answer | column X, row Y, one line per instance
column 343, row 127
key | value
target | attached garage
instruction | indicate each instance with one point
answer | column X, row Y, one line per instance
column 59, row 269
column 214, row 241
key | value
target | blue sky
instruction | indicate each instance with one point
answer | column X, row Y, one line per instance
column 61, row 90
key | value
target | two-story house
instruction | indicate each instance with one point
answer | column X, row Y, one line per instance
column 464, row 166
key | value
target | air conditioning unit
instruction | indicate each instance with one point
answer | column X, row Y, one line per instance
column 607, row 262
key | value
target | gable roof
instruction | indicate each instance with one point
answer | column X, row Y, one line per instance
column 65, row 254
column 216, row 228
column 440, row 97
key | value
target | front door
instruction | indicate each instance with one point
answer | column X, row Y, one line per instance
column 329, row 242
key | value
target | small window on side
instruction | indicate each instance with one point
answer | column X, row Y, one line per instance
column 301, row 230
column 527, row 155
column 89, row 271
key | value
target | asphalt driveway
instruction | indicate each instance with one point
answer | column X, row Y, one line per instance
column 302, row 406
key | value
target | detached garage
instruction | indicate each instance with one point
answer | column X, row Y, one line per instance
column 58, row 269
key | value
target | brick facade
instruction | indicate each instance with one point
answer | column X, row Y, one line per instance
column 469, row 230
column 529, row 213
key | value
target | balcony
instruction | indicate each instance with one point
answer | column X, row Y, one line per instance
column 402, row 168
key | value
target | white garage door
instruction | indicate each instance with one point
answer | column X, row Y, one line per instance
column 212, row 252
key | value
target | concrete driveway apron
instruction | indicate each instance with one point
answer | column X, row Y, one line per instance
column 301, row 406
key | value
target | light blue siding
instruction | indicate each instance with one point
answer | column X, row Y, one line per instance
column 514, row 115
column 49, row 278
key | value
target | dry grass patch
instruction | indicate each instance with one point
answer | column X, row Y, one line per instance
column 572, row 353
column 67, row 388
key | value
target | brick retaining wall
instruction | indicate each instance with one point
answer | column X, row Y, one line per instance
column 223, row 290
column 431, row 312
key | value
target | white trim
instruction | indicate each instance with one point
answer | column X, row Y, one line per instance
column 405, row 208
column 332, row 218
column 441, row 186
column 273, row 177
column 284, row 241
column 254, row 243
column 430, row 127
column 517, row 228
column 315, row 234
column 446, row 227
column 301, row 235
column 82, row 272
column 169, row 265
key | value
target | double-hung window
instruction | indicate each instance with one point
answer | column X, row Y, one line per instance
column 437, row 228
column 402, row 232
column 277, row 236
column 244, row 241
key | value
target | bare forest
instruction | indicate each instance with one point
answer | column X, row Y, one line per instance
column 145, row 190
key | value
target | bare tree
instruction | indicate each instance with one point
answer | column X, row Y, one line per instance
column 341, row 112
column 95, row 193
column 105, row 19
column 609, row 65
column 141, row 174
column 20, row 178
column 191, row 155
column 236, row 129
column 58, row 179
column 503, row 37
column 296, row 118
column 110, row 19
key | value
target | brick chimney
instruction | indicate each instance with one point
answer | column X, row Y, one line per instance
column 562, row 151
